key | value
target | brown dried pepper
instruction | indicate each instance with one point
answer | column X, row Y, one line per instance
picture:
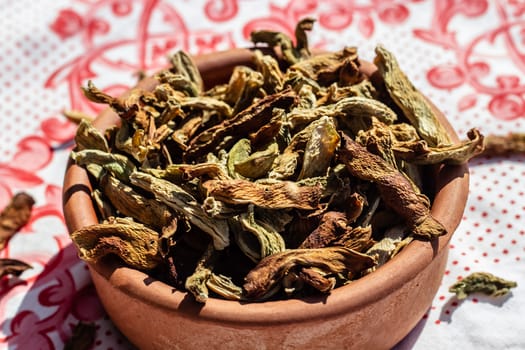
column 394, row 187
column 14, row 216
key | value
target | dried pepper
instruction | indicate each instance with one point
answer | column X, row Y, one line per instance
column 135, row 243
column 12, row 267
column 15, row 215
column 395, row 189
column 83, row 337
column 296, row 176
column 482, row 282
column 318, row 267
column 498, row 145
column 409, row 99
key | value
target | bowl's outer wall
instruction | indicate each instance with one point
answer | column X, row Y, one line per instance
column 379, row 325
column 374, row 312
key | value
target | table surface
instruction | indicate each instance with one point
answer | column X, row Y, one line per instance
column 467, row 56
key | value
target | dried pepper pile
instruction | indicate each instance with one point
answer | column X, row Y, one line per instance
column 297, row 176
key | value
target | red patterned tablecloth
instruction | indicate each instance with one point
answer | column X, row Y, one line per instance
column 467, row 56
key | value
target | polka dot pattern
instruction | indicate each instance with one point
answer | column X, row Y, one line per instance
column 29, row 54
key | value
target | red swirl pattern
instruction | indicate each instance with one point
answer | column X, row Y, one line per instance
column 505, row 92
column 221, row 10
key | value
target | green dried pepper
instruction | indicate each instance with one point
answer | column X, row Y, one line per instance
column 482, row 282
column 414, row 105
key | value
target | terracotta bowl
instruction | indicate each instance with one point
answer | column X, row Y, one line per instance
column 374, row 312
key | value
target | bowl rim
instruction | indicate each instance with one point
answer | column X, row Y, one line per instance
column 448, row 205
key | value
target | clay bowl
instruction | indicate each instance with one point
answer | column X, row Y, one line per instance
column 374, row 312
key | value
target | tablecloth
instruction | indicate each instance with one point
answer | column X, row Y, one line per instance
column 467, row 56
